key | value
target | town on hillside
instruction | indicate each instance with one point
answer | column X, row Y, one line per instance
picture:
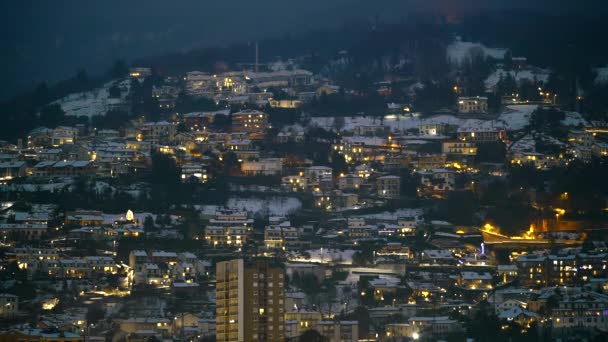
column 416, row 185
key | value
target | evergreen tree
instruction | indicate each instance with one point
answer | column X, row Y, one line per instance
column 51, row 115
column 119, row 69
column 311, row 335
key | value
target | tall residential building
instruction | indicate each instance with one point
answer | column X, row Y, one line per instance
column 249, row 301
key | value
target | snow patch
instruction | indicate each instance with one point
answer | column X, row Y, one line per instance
column 516, row 117
column 574, row 119
column 458, row 51
column 525, row 144
column 94, row 102
column 273, row 206
column 602, row 75
column 323, row 255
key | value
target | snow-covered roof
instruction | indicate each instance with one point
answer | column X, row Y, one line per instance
column 11, row 226
column 515, row 312
column 476, row 275
column 506, row 268
column 433, row 319
column 163, row 254
column 438, row 253
column 367, row 141
column 389, row 177
column 187, row 255
column 185, row 285
column 65, row 163
column 139, row 253
column 10, row 165
column 531, row 257
column 384, row 282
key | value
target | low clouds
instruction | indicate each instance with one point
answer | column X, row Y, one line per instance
column 68, row 34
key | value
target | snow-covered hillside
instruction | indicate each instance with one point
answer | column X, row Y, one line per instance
column 540, row 75
column 601, row 75
column 275, row 206
column 574, row 119
column 458, row 51
column 516, row 117
column 94, row 102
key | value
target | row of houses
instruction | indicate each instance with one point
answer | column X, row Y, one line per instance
column 539, row 270
column 162, row 268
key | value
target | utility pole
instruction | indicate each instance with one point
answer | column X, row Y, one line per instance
column 257, row 57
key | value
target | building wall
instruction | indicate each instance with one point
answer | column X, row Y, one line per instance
column 389, row 187
column 482, row 136
column 250, row 301
column 459, row 147
column 253, row 122
column 9, row 305
column 472, row 105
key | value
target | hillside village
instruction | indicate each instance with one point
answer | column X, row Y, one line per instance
column 155, row 206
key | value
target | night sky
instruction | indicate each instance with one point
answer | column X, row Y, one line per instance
column 50, row 40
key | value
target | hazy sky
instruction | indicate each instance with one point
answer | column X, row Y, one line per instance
column 51, row 39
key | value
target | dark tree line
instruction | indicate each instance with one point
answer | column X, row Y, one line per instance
column 342, row 104
column 31, row 109
column 570, row 50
